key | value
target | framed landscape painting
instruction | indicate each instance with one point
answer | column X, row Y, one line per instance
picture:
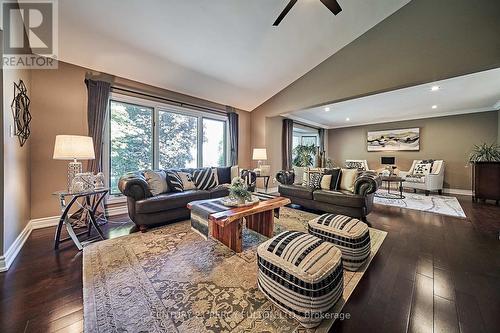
column 394, row 140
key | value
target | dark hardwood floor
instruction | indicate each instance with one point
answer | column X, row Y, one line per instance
column 433, row 273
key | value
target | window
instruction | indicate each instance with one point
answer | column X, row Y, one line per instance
column 131, row 129
column 178, row 141
column 214, row 143
column 147, row 135
column 304, row 136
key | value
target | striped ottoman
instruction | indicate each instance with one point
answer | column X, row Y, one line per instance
column 350, row 235
column 301, row 274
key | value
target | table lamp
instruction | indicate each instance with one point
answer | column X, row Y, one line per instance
column 259, row 154
column 73, row 148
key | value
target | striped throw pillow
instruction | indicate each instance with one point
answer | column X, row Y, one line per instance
column 204, row 179
column 174, row 181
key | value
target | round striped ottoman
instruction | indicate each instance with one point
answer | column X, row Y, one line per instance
column 301, row 274
column 350, row 235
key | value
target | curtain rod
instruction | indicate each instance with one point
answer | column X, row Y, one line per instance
column 199, row 107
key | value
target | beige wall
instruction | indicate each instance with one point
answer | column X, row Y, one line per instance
column 16, row 164
column 424, row 41
column 59, row 104
column 448, row 138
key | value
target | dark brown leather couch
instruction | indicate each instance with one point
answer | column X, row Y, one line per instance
column 145, row 209
column 358, row 204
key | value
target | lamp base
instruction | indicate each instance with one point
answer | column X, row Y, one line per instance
column 73, row 168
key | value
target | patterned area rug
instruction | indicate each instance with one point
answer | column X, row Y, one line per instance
column 171, row 280
column 438, row 204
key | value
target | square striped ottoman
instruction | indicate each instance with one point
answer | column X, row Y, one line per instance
column 350, row 235
column 301, row 274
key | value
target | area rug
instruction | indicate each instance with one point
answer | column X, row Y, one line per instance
column 438, row 204
column 172, row 280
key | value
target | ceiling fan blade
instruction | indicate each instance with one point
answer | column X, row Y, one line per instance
column 333, row 5
column 284, row 12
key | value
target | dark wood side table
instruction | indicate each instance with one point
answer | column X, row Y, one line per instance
column 266, row 180
column 389, row 194
column 89, row 203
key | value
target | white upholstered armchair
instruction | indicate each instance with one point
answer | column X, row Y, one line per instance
column 422, row 178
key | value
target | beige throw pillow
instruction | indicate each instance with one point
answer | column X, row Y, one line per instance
column 157, row 181
column 325, row 182
column 187, row 181
column 347, row 179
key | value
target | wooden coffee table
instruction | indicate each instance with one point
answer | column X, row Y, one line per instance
column 227, row 226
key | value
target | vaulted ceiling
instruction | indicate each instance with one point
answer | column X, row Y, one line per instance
column 226, row 51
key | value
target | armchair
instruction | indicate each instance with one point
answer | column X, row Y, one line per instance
column 433, row 181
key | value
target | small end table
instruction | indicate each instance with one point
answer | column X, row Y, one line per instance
column 389, row 194
column 91, row 200
column 266, row 180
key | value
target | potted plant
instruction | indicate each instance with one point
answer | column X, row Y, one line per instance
column 485, row 159
column 238, row 191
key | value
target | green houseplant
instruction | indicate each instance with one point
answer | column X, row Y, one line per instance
column 304, row 155
column 485, row 153
column 239, row 191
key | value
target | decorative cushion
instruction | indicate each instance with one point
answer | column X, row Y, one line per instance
column 187, row 181
column 204, row 179
column 422, row 169
column 301, row 274
column 325, row 182
column 157, row 181
column 347, row 179
column 315, row 180
column 235, row 172
column 224, row 175
column 415, row 179
column 308, row 173
column 174, row 181
column 348, row 234
column 335, row 182
column 355, row 165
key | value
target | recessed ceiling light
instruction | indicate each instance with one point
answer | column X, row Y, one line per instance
column 434, row 106
column 347, row 119
column 327, row 109
column 435, row 88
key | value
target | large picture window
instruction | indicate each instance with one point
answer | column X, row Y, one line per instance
column 146, row 135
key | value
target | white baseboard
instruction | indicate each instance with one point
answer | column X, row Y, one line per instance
column 457, row 191
column 44, row 222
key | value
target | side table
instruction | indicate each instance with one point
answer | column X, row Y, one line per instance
column 266, row 180
column 91, row 200
column 389, row 194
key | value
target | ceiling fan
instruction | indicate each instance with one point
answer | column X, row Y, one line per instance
column 333, row 5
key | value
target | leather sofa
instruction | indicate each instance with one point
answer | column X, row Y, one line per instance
column 356, row 204
column 145, row 209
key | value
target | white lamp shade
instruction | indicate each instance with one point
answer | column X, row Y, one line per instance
column 70, row 147
column 259, row 154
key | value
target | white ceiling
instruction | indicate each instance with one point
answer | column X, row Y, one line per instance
column 464, row 94
column 226, row 51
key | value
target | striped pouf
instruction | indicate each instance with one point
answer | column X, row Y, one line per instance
column 350, row 235
column 301, row 274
